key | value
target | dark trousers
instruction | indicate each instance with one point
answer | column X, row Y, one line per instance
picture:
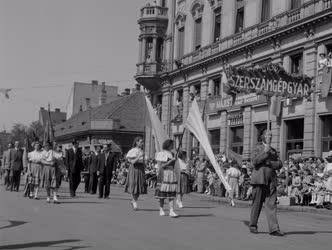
column 74, row 182
column 15, row 177
column 104, row 186
column 263, row 194
column 7, row 179
column 93, row 181
column 86, row 182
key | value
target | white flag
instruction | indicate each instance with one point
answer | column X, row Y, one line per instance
column 196, row 126
column 157, row 128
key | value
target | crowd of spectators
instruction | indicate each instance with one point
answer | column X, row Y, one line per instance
column 307, row 181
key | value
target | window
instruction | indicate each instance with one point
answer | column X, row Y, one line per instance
column 237, row 134
column 296, row 63
column 163, row 3
column 216, row 87
column 215, row 140
column 266, row 10
column 294, row 136
column 239, row 23
column 295, row 4
column 326, row 133
column 160, row 49
column 198, row 33
column 148, row 49
column 217, row 25
column 180, row 42
column 259, row 129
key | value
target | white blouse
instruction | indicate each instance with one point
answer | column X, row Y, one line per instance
column 164, row 156
column 135, row 153
column 35, row 156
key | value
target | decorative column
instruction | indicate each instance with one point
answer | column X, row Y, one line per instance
column 247, row 132
column 223, row 131
column 310, row 69
column 287, row 63
column 143, row 49
column 211, row 87
column 204, row 89
column 186, row 101
column 154, row 49
column 140, row 51
column 166, row 102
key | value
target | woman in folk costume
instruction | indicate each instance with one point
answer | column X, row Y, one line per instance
column 36, row 167
column 167, row 181
column 183, row 178
column 50, row 172
column 135, row 182
column 233, row 176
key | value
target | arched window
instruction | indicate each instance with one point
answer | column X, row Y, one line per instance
column 180, row 23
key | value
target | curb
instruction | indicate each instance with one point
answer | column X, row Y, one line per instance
column 246, row 204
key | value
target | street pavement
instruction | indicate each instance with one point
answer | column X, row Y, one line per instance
column 87, row 222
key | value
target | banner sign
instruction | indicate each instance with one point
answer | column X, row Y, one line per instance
column 271, row 79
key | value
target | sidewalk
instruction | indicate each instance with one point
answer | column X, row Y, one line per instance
column 240, row 203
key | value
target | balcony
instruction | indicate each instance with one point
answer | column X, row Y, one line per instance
column 152, row 68
column 278, row 23
column 148, row 75
column 154, row 12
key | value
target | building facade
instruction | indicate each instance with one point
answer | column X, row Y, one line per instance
column 89, row 95
column 57, row 116
column 185, row 43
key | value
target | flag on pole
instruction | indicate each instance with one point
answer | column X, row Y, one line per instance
column 158, row 131
column 326, row 81
column 196, row 126
column 275, row 107
column 49, row 131
column 5, row 92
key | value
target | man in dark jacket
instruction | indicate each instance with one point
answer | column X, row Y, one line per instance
column 105, row 171
column 74, row 165
column 15, row 166
column 93, row 167
column 264, row 181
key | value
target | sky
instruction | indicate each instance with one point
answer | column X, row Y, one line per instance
column 46, row 45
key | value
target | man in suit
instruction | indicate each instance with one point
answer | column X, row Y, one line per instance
column 106, row 167
column 6, row 164
column 264, row 181
column 74, row 164
column 15, row 166
column 93, row 167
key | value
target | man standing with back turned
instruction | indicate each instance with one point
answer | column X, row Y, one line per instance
column 264, row 181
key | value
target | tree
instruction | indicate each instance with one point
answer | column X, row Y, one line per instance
column 35, row 131
column 19, row 133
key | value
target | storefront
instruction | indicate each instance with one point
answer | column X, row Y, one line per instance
column 294, row 137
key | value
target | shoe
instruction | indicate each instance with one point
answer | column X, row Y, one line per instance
column 107, row 198
column 48, row 200
column 55, row 200
column 134, row 205
column 179, row 203
column 172, row 214
column 35, row 197
column 253, row 230
column 277, row 233
column 232, row 203
column 162, row 212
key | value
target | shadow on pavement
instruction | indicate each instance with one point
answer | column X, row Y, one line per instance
column 195, row 215
column 13, row 223
column 148, row 210
column 307, row 232
column 80, row 202
column 199, row 207
column 44, row 244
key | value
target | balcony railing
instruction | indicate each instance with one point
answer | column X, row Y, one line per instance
column 154, row 12
column 149, row 68
column 280, row 21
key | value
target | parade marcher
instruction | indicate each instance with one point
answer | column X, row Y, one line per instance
column 166, row 180
column 74, row 164
column 183, row 178
column 135, row 183
column 36, row 167
column 50, row 172
column 6, row 166
column 105, row 171
column 93, row 167
column 16, row 166
column 60, row 163
column 264, row 181
column 86, row 159
column 233, row 176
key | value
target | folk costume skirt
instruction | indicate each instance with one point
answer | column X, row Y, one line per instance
column 135, row 181
column 37, row 173
column 166, row 183
column 183, row 184
column 50, row 176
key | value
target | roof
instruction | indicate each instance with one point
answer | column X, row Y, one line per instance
column 56, row 116
column 128, row 112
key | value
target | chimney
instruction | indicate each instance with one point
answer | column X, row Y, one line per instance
column 57, row 110
column 103, row 94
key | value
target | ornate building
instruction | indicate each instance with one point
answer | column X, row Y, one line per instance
column 184, row 43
